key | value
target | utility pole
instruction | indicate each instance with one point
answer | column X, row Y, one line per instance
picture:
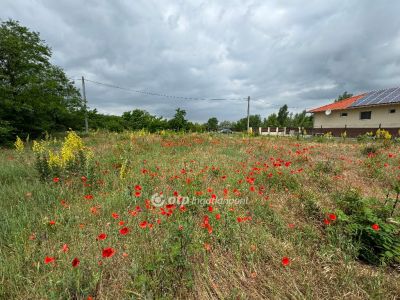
column 85, row 105
column 248, row 114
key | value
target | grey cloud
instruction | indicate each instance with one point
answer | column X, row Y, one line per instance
column 302, row 53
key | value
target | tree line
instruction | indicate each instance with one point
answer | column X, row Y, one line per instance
column 36, row 97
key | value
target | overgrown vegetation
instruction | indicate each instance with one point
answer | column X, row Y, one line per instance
column 311, row 220
column 366, row 222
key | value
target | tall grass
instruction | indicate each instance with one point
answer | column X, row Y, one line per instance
column 173, row 253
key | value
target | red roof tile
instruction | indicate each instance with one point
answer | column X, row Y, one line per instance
column 343, row 104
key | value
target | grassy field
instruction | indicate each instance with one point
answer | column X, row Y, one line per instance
column 203, row 216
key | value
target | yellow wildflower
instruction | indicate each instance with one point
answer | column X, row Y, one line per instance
column 19, row 145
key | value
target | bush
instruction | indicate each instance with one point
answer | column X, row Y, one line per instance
column 364, row 221
column 365, row 137
column 73, row 158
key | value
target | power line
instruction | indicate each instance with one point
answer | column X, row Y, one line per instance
column 161, row 95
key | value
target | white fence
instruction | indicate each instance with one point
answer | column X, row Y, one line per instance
column 279, row 131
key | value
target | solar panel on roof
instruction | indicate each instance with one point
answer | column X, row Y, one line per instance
column 391, row 95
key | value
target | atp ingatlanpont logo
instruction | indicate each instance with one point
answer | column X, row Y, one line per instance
column 159, row 200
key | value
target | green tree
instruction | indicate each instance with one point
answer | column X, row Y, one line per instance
column 35, row 96
column 271, row 121
column 254, row 121
column 212, row 124
column 302, row 120
column 343, row 96
column 196, row 127
column 108, row 122
column 227, row 125
column 137, row 119
column 178, row 122
column 283, row 116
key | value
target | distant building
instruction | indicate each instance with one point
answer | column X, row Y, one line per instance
column 372, row 110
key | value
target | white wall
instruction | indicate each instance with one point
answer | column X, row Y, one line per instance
column 379, row 115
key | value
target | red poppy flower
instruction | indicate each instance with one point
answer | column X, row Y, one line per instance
column 115, row 215
column 124, row 231
column 327, row 222
column 56, row 179
column 83, row 178
column 89, row 197
column 75, row 262
column 143, row 224
column 65, row 248
column 218, row 216
column 375, row 227
column 108, row 252
column 94, row 210
column 332, row 217
column 102, row 236
column 285, row 261
column 64, row 204
column 207, row 246
column 49, row 259
column 210, row 208
column 52, row 222
column 137, row 194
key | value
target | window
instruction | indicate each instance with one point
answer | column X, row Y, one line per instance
column 392, row 111
column 343, row 114
column 365, row 115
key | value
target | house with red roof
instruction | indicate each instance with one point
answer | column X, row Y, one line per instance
column 369, row 111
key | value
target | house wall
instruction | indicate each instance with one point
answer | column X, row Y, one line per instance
column 379, row 116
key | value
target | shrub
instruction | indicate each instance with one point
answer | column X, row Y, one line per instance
column 73, row 157
column 384, row 136
column 365, row 137
column 363, row 220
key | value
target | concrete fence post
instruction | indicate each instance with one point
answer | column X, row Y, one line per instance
column 284, row 130
column 269, row 130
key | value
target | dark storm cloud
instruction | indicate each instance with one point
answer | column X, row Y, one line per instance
column 302, row 53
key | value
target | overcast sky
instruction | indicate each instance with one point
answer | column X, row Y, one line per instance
column 302, row 53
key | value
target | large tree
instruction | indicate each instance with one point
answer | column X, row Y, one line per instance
column 137, row 119
column 271, row 121
column 35, row 96
column 212, row 124
column 179, row 122
column 141, row 119
column 227, row 124
column 283, row 116
column 254, row 121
